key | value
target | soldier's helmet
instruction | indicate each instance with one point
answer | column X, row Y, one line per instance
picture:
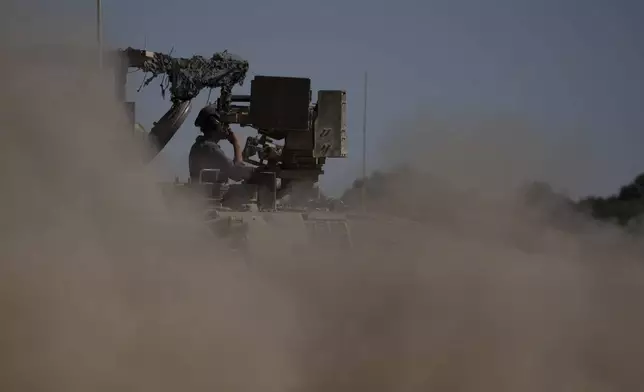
column 208, row 118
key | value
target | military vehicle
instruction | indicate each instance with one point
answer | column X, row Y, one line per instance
column 294, row 138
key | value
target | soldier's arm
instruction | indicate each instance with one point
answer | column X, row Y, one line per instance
column 239, row 171
column 233, row 171
column 232, row 138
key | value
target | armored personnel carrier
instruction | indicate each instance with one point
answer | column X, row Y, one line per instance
column 294, row 138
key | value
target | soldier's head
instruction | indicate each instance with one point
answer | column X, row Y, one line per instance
column 209, row 122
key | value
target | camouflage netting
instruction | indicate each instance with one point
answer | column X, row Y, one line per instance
column 188, row 76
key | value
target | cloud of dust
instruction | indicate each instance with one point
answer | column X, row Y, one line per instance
column 101, row 288
column 485, row 294
column 492, row 151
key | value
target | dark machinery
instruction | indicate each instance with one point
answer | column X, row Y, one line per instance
column 280, row 109
column 294, row 138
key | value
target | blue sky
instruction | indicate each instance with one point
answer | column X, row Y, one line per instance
column 573, row 62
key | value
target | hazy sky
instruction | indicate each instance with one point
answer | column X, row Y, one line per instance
column 575, row 63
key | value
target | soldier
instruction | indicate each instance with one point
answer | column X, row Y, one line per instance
column 206, row 153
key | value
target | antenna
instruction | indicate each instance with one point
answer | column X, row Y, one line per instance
column 364, row 146
column 99, row 31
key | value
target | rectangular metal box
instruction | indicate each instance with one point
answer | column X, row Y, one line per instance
column 330, row 128
column 280, row 103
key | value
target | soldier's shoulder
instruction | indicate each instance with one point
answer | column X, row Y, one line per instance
column 202, row 141
column 211, row 145
column 207, row 146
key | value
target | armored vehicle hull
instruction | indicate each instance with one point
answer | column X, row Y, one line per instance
column 256, row 232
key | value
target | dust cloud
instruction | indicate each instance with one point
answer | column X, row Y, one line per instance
column 102, row 288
